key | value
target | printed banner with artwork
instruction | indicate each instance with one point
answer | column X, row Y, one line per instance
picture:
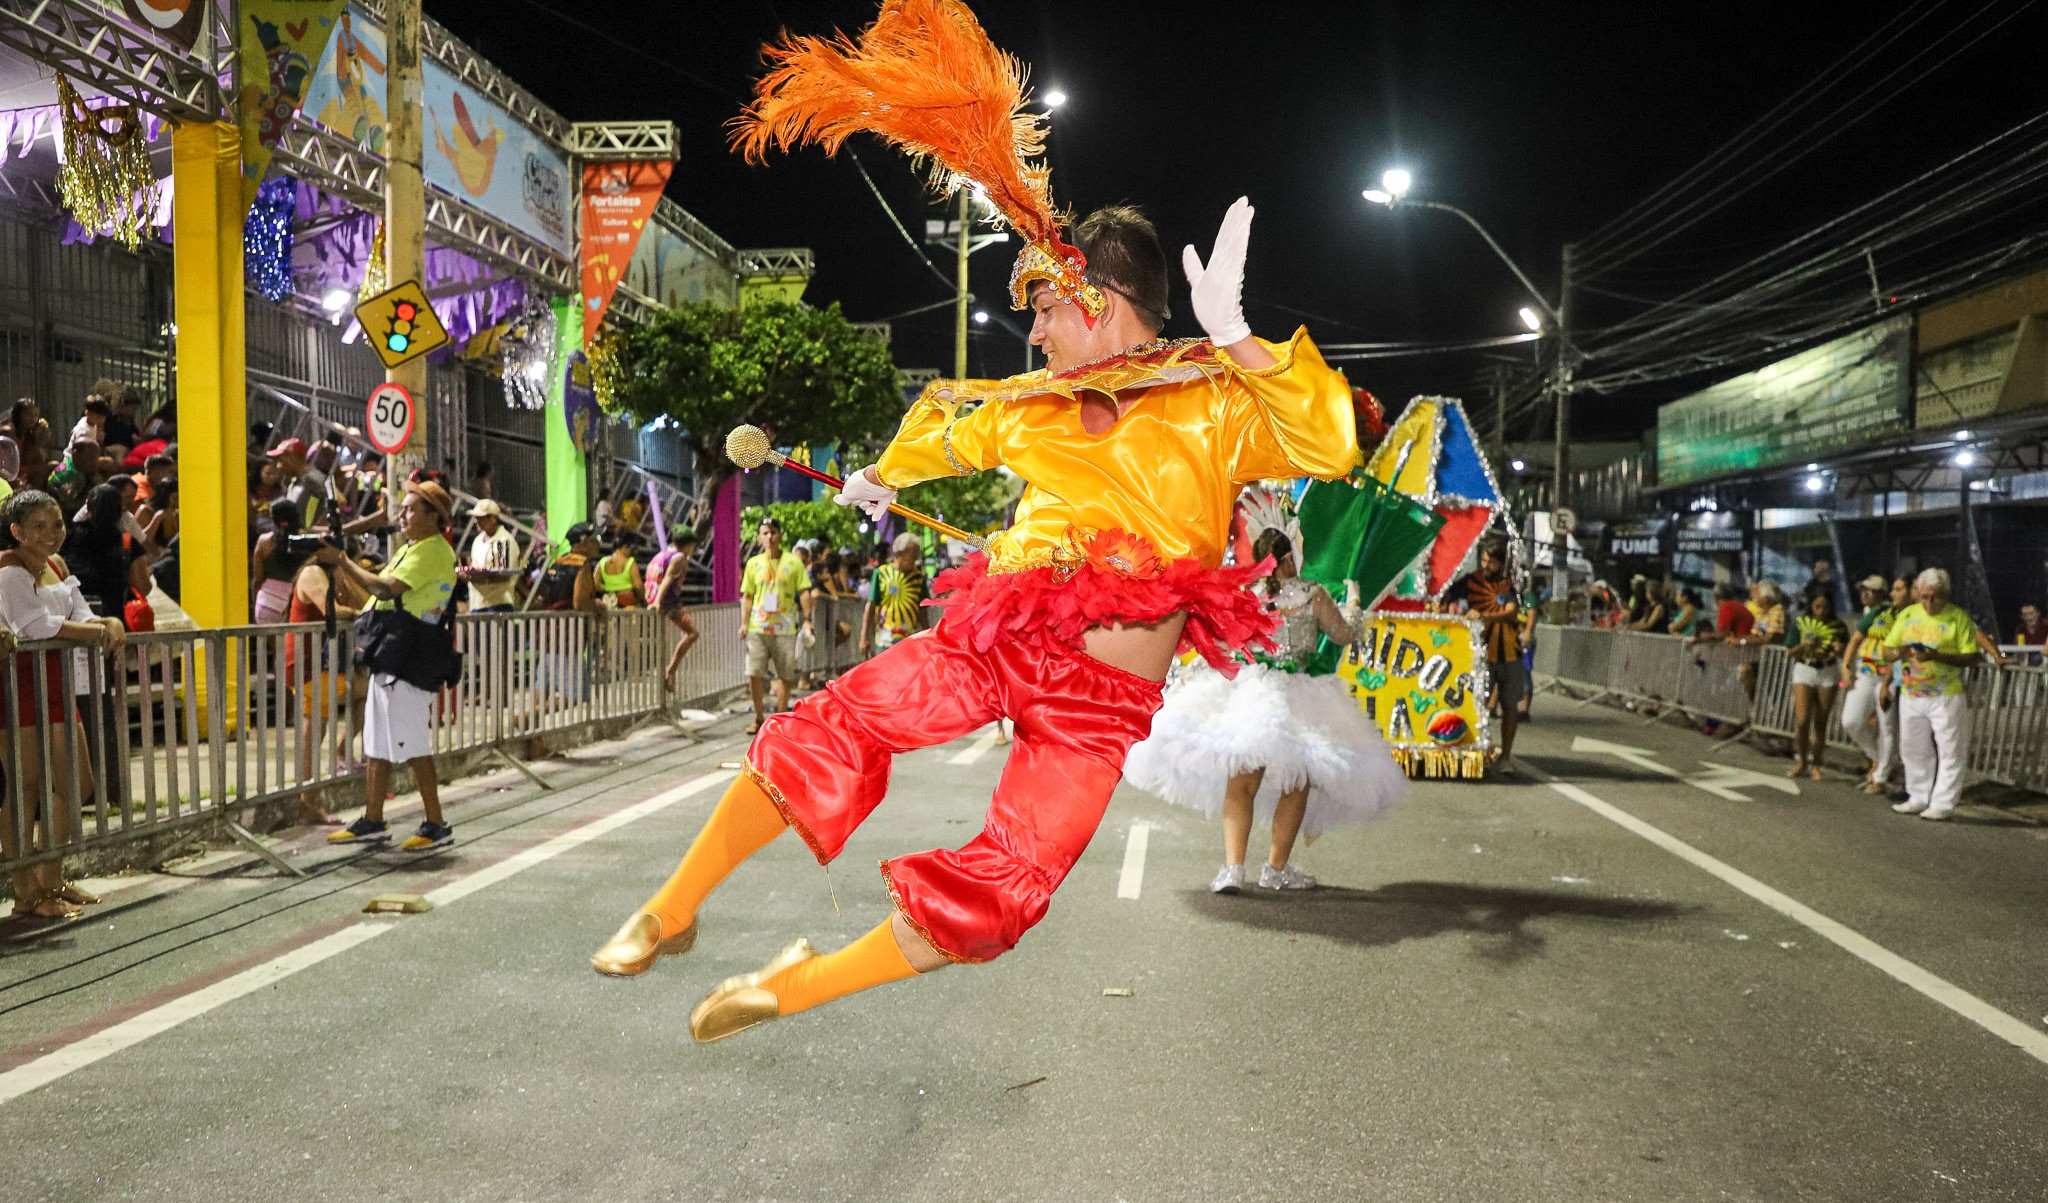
column 618, row 200
column 1422, row 680
column 474, row 149
column 175, row 21
column 672, row 269
column 279, row 41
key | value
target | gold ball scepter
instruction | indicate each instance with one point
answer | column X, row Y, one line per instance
column 748, row 447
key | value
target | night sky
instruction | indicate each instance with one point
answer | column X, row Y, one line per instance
column 1545, row 121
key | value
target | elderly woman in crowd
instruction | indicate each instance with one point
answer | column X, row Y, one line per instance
column 40, row 599
column 1936, row 642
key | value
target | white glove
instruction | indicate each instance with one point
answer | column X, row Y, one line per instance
column 863, row 490
column 1218, row 289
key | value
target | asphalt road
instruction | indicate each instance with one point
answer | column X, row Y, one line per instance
column 1503, row 993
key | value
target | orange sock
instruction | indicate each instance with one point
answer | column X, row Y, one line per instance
column 867, row 962
column 744, row 822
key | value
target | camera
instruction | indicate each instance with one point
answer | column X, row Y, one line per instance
column 303, row 546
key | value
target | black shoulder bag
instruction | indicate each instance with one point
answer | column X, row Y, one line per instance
column 421, row 654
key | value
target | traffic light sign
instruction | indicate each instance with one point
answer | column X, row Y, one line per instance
column 400, row 325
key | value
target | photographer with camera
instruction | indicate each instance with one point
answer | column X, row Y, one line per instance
column 407, row 641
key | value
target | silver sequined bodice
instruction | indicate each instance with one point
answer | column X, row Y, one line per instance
column 1294, row 604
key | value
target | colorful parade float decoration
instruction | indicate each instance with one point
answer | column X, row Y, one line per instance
column 1392, row 538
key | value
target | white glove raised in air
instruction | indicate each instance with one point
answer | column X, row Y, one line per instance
column 863, row 490
column 1218, row 289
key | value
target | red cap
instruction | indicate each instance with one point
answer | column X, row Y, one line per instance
column 288, row 447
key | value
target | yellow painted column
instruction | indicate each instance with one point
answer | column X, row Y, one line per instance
column 213, row 486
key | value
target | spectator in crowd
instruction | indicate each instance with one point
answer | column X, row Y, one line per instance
column 1935, row 641
column 669, row 575
column 602, row 517
column 157, row 467
column 290, row 458
column 31, row 433
column 632, row 512
column 2032, row 631
column 569, row 584
column 618, row 575
column 1815, row 640
column 1649, row 611
column 1868, row 711
column 110, row 567
column 10, row 466
column 1687, row 621
column 1488, row 594
column 1767, row 611
column 92, row 423
column 40, row 599
column 398, row 715
column 164, row 571
column 82, row 468
column 481, row 480
column 124, row 423
column 1822, row 581
column 273, row 567
column 896, row 594
column 772, row 585
column 1733, row 621
column 316, row 590
column 493, row 566
column 163, row 424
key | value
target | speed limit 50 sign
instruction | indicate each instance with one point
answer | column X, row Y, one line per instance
column 391, row 417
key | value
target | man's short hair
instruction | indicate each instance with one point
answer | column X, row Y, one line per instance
column 158, row 460
column 1124, row 257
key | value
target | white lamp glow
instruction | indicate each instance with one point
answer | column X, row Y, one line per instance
column 1531, row 319
column 1377, row 197
column 335, row 299
column 1396, row 182
column 1055, row 98
column 981, row 317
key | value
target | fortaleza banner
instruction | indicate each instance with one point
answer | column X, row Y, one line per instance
column 618, row 201
column 279, row 41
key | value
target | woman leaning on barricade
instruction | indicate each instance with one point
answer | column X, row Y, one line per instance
column 40, row 599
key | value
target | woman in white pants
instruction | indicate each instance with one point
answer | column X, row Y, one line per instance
column 1937, row 642
column 1868, row 711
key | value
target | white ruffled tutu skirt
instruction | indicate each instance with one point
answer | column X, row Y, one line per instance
column 1297, row 727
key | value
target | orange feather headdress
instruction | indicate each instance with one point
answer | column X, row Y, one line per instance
column 925, row 78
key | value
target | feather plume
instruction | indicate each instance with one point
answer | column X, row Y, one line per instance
column 925, row 78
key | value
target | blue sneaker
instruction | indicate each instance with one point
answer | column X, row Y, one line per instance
column 362, row 831
column 428, row 837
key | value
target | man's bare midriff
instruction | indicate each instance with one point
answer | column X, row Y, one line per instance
column 1144, row 650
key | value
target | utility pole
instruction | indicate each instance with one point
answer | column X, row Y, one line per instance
column 960, row 305
column 405, row 202
column 1561, row 390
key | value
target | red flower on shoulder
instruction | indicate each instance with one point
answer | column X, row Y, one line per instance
column 1125, row 554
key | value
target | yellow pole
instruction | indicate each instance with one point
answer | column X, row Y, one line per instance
column 960, row 305
column 405, row 203
column 213, row 485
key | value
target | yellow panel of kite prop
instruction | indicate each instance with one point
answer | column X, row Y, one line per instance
column 1422, row 680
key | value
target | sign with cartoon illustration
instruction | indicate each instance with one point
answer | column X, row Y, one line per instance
column 278, row 42
column 1422, row 679
column 618, row 200
column 475, row 149
column 579, row 404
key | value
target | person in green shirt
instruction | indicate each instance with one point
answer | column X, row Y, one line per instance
column 1868, row 712
column 1814, row 640
column 774, row 587
column 1935, row 641
column 398, row 722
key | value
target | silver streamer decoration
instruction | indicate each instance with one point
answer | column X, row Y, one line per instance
column 527, row 349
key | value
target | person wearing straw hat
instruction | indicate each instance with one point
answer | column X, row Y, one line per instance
column 1133, row 450
column 398, row 724
column 1868, row 714
column 493, row 566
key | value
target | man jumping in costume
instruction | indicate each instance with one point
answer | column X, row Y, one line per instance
column 1133, row 450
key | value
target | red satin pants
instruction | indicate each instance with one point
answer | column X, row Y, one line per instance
column 826, row 764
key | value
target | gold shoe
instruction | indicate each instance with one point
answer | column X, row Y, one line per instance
column 741, row 1002
column 638, row 945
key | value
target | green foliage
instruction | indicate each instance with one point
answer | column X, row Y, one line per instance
column 838, row 525
column 977, row 504
column 804, row 375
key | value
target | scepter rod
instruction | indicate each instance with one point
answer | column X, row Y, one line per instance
column 748, row 447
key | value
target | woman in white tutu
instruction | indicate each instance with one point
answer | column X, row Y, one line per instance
column 1275, row 744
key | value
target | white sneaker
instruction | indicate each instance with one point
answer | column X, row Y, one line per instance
column 1229, row 880
column 1286, row 877
column 1937, row 814
column 1910, row 807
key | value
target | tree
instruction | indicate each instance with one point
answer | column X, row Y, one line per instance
column 976, row 504
column 804, row 375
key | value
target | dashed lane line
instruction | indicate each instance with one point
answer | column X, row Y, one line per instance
column 1132, row 880
column 1948, row 994
column 159, row 1019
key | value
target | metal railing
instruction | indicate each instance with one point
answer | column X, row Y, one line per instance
column 2008, row 705
column 184, row 728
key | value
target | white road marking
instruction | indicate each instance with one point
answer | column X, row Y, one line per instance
column 1720, row 780
column 130, row 1032
column 976, row 750
column 1132, row 879
column 1948, row 994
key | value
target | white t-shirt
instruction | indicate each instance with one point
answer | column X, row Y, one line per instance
column 498, row 553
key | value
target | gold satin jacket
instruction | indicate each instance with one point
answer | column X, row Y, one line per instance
column 1169, row 468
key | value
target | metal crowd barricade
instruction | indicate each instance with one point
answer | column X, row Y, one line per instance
column 184, row 728
column 2008, row 705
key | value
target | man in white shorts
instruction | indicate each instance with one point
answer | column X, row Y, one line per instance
column 398, row 721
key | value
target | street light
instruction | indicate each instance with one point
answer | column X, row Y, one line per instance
column 1055, row 98
column 981, row 317
column 1396, row 182
column 1517, row 464
column 1531, row 319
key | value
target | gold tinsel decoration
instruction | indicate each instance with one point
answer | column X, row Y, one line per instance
column 607, row 373
column 106, row 179
column 1463, row 764
column 375, row 278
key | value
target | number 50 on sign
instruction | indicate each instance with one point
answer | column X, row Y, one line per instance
column 390, row 419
